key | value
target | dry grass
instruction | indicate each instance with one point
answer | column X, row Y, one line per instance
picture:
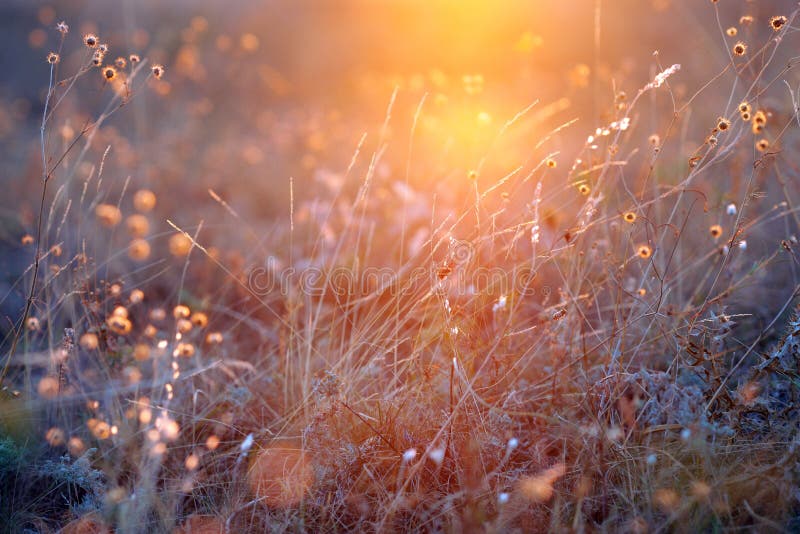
column 583, row 324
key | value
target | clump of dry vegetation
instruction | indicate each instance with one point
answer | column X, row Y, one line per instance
column 585, row 320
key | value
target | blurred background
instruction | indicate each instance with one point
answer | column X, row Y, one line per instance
column 256, row 93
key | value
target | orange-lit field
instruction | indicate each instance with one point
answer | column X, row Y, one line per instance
column 399, row 266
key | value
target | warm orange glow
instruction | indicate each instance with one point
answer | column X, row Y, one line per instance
column 281, row 475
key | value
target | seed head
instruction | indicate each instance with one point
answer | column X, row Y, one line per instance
column 53, row 58
column 108, row 214
column 739, row 49
column 214, row 338
column 629, row 217
column 139, row 250
column 732, row 31
column 199, row 319
column 109, row 73
column 144, row 200
column 184, row 350
column 762, row 145
column 62, row 27
column 715, row 231
column 723, row 124
column 644, row 251
column 90, row 40
column 777, row 22
column 119, row 325
column 158, row 71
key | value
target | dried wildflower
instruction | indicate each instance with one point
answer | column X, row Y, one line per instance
column 744, row 107
column 133, row 58
column 629, row 217
column 184, row 326
column 739, row 49
column 137, row 225
column 119, row 325
column 90, row 40
column 746, row 116
column 55, row 437
column 99, row 429
column 762, row 145
column 181, row 312
column 666, row 499
column 723, row 124
column 139, row 250
column 199, row 319
column 109, row 73
column 75, row 446
column 192, row 462
column 551, row 163
column 108, row 214
column 62, row 27
column 184, row 350
column 760, row 118
column 48, row 387
column 472, row 175
column 179, row 245
column 731, row 32
column 120, row 63
column 56, row 250
column 158, row 71
column 644, row 251
column 212, row 442
column 32, row 324
column 144, row 200
column 539, row 488
column 136, row 296
column 777, row 22
column 746, row 20
column 26, row 240
column 715, row 231
column 141, row 352
column 584, row 189
column 214, row 338
column 654, row 140
column 53, row 58
column 89, row 341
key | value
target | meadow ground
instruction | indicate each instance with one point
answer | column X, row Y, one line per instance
column 399, row 266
